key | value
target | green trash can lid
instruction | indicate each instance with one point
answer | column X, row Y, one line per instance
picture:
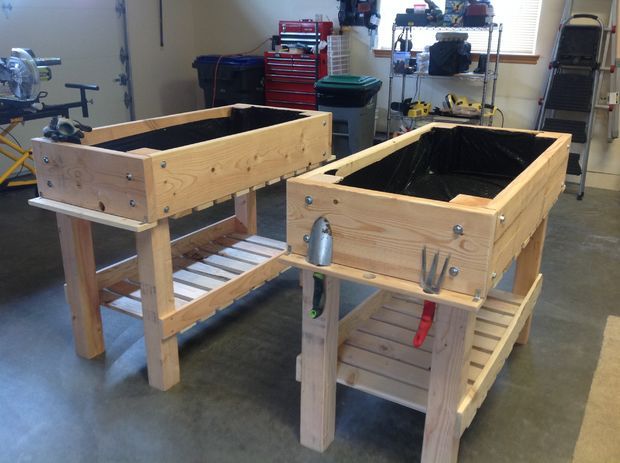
column 347, row 82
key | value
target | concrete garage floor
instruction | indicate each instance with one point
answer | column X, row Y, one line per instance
column 238, row 400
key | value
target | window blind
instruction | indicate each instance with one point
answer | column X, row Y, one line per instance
column 519, row 19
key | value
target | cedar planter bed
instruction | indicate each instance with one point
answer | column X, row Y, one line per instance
column 478, row 195
column 137, row 176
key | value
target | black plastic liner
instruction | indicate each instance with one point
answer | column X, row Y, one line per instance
column 240, row 120
column 447, row 162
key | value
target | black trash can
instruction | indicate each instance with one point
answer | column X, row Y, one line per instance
column 239, row 79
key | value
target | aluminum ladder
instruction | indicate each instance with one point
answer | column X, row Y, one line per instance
column 583, row 53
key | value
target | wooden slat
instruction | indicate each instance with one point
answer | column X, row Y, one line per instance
column 226, row 263
column 390, row 349
column 412, row 308
column 233, row 253
column 396, row 318
column 503, row 307
column 269, row 242
column 384, row 366
column 478, row 391
column 202, row 268
column 393, row 333
column 128, row 268
column 249, row 247
column 489, row 329
column 493, row 317
column 222, row 296
column 479, row 357
column 349, row 323
column 484, row 343
column 186, row 291
column 196, row 279
column 126, row 305
column 380, row 386
column 396, row 285
column 90, row 215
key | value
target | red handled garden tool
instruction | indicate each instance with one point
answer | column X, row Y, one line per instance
column 430, row 286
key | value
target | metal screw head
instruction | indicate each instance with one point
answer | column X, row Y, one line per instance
column 132, row 203
column 458, row 229
column 166, row 209
column 494, row 275
column 502, row 218
column 46, row 160
column 50, row 184
column 454, row 271
column 129, row 176
column 163, row 164
column 477, row 296
column 306, row 238
column 309, row 200
column 324, row 123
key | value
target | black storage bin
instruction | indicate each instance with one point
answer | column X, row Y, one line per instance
column 449, row 58
column 239, row 79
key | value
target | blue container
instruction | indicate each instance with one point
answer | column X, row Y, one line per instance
column 236, row 79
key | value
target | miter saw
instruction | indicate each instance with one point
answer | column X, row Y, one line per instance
column 21, row 75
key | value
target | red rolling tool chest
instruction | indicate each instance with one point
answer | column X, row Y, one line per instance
column 290, row 77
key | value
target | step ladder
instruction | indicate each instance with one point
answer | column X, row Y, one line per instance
column 584, row 52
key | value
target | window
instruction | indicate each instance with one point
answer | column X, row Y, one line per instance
column 520, row 20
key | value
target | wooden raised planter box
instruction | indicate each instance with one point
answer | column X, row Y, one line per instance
column 136, row 176
column 378, row 238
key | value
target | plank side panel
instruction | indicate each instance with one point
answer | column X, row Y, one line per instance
column 93, row 178
column 199, row 173
column 393, row 350
column 385, row 233
column 126, row 129
column 380, row 386
column 384, row 366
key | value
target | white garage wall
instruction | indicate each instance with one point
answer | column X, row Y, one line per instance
column 164, row 80
column 86, row 35
column 237, row 25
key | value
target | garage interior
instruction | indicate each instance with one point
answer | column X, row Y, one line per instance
column 238, row 398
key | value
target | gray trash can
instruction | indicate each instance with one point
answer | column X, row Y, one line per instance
column 352, row 100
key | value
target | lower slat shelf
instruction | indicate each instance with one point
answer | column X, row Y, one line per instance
column 377, row 355
column 202, row 270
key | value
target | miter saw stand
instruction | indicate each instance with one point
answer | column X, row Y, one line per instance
column 21, row 74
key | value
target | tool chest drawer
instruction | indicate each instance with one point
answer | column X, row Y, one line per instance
column 306, row 32
column 298, row 97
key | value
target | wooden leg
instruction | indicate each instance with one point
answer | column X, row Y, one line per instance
column 245, row 211
column 78, row 259
column 528, row 268
column 155, row 267
column 319, row 353
column 454, row 331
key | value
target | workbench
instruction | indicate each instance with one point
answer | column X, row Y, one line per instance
column 379, row 237
column 137, row 176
